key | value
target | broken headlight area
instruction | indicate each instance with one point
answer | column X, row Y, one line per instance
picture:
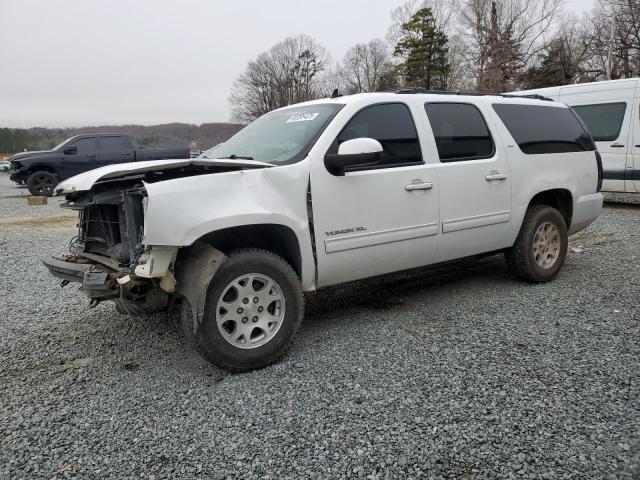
column 108, row 247
column 110, row 225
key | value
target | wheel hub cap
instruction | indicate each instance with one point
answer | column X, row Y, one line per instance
column 43, row 184
column 546, row 245
column 250, row 310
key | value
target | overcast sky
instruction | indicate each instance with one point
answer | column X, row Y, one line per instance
column 99, row 62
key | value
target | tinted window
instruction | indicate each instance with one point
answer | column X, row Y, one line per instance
column 390, row 124
column 538, row 129
column 85, row 145
column 108, row 144
column 460, row 131
column 604, row 121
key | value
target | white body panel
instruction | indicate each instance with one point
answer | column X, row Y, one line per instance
column 366, row 223
column 181, row 211
column 377, row 220
column 86, row 180
column 632, row 182
column 475, row 213
column 620, row 156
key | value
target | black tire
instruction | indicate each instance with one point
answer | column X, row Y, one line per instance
column 209, row 340
column 156, row 300
column 520, row 258
column 42, row 183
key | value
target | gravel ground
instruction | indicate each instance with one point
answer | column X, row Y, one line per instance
column 451, row 372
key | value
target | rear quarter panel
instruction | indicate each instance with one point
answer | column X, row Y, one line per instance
column 532, row 174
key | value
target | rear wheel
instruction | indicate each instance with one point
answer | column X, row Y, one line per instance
column 253, row 310
column 42, row 183
column 541, row 247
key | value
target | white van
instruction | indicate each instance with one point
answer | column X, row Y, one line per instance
column 611, row 110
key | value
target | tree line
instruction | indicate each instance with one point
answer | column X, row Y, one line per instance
column 458, row 45
column 202, row 137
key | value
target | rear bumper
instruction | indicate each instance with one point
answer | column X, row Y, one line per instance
column 585, row 211
column 97, row 284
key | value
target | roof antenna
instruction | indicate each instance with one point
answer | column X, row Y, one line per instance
column 336, row 93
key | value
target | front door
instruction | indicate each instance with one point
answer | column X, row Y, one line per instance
column 474, row 181
column 380, row 219
column 82, row 160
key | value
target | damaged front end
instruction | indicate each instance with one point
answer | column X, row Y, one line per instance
column 108, row 257
column 111, row 257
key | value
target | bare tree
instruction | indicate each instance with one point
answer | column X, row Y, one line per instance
column 289, row 72
column 460, row 78
column 504, row 35
column 612, row 36
column 366, row 67
column 565, row 58
column 624, row 43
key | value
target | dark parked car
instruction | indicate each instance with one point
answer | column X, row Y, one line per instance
column 42, row 171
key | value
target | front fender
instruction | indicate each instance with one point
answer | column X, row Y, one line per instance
column 182, row 210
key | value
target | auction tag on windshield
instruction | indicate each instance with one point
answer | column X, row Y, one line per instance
column 302, row 117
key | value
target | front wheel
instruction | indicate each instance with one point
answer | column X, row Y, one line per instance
column 42, row 183
column 541, row 247
column 253, row 310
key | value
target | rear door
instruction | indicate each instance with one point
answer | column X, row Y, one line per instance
column 114, row 149
column 474, row 181
column 607, row 111
column 378, row 219
column 632, row 180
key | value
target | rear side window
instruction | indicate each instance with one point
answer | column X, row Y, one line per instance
column 604, row 120
column 538, row 129
column 108, row 144
column 392, row 125
column 460, row 131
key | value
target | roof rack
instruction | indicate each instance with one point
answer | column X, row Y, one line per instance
column 446, row 92
column 534, row 96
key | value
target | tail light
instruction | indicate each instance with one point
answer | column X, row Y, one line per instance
column 599, row 162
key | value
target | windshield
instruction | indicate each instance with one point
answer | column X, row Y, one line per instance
column 278, row 137
column 60, row 145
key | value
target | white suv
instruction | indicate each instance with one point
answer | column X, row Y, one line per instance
column 326, row 192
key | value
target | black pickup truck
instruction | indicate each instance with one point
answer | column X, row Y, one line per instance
column 42, row 171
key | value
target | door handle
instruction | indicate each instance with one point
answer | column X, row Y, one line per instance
column 496, row 176
column 418, row 186
column 617, row 145
column 91, row 155
column 124, row 153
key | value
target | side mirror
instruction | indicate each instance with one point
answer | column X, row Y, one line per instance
column 70, row 150
column 355, row 153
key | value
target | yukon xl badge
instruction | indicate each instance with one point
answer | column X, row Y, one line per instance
column 333, row 233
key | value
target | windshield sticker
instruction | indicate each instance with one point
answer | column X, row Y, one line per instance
column 302, row 117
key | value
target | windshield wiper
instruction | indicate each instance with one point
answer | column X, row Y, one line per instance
column 233, row 156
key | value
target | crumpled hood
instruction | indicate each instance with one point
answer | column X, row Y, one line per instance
column 86, row 180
